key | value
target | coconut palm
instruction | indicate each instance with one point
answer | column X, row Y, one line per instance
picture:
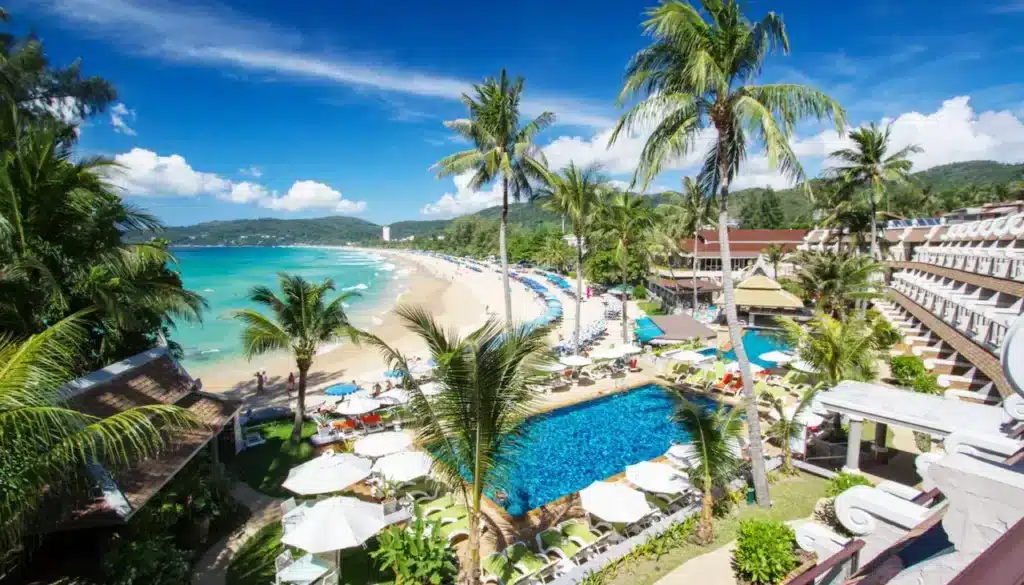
column 788, row 426
column 45, row 444
column 713, row 432
column 833, row 281
column 775, row 254
column 473, row 425
column 847, row 349
column 500, row 148
column 688, row 213
column 575, row 193
column 869, row 165
column 555, row 252
column 301, row 322
column 628, row 220
column 696, row 75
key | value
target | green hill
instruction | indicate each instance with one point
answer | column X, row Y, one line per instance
column 334, row 230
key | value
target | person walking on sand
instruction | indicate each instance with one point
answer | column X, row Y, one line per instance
column 290, row 385
column 261, row 377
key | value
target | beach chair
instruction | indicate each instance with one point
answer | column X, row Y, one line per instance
column 450, row 514
column 580, row 531
column 288, row 505
column 496, row 568
column 553, row 542
column 420, row 489
column 372, row 422
column 282, row 562
column 534, row 567
column 330, row 578
column 428, row 506
column 453, row 530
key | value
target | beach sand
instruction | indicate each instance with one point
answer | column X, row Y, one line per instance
column 458, row 298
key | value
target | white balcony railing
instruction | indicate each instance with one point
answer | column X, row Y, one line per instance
column 1007, row 263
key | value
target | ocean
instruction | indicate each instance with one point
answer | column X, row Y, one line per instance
column 223, row 276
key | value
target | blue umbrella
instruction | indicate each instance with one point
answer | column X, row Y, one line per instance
column 341, row 389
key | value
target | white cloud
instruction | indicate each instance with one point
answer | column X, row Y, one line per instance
column 464, row 200
column 621, row 157
column 255, row 172
column 222, row 37
column 144, row 173
column 119, row 117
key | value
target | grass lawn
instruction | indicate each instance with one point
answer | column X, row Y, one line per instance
column 253, row 564
column 265, row 467
column 793, row 498
column 651, row 307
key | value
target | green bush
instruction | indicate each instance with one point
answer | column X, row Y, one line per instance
column 418, row 555
column 923, row 441
column 765, row 552
column 651, row 307
column 905, row 369
column 926, row 384
column 843, row 482
column 885, row 335
column 151, row 561
column 639, row 292
column 572, row 274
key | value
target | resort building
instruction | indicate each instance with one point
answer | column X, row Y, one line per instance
column 987, row 211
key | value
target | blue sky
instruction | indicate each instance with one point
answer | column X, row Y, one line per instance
column 262, row 108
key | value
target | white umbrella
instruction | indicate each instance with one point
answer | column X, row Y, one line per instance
column 778, row 357
column 605, row 354
column 684, row 454
column 334, row 524
column 357, row 405
column 551, row 368
column 420, row 369
column 394, row 397
column 806, row 416
column 431, row 389
column 656, row 477
column 327, row 473
column 735, row 367
column 628, row 349
column 575, row 361
column 381, row 444
column 687, row 356
column 614, row 502
column 404, row 466
column 804, row 366
column 371, row 377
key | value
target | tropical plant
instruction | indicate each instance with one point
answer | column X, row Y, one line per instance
column 694, row 76
column 837, row 349
column 416, row 554
column 788, row 426
column 155, row 560
column 775, row 254
column 46, row 445
column 555, row 252
column 473, row 426
column 765, row 552
column 576, row 193
column 301, row 322
column 868, row 164
column 500, row 148
column 833, row 281
column 843, row 482
column 714, row 464
column 906, row 368
column 627, row 219
column 684, row 215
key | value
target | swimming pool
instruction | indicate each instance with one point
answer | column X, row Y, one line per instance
column 567, row 449
column 646, row 330
column 756, row 343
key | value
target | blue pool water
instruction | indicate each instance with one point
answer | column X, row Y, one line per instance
column 756, row 343
column 567, row 449
column 646, row 330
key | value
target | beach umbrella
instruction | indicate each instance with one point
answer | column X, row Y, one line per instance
column 334, row 524
column 553, row 367
column 605, row 354
column 807, row 417
column 575, row 361
column 778, row 357
column 656, row 477
column 420, row 369
column 630, row 349
column 318, row 400
column 804, row 366
column 394, row 397
column 614, row 502
column 734, row 367
column 381, row 444
column 404, row 466
column 372, row 377
column 343, row 389
column 684, row 454
column 431, row 389
column 327, row 473
column 687, row 356
column 356, row 405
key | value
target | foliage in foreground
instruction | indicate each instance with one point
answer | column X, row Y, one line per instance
column 416, row 554
column 765, row 552
column 843, row 482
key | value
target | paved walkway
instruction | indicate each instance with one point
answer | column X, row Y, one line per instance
column 212, row 566
column 714, row 568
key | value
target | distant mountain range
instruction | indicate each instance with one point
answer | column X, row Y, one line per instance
column 339, row 230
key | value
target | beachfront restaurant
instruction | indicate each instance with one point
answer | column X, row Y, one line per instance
column 678, row 291
column 761, row 297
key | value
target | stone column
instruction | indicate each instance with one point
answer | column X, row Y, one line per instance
column 879, row 447
column 853, row 446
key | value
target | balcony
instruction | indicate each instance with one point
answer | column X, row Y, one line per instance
column 997, row 262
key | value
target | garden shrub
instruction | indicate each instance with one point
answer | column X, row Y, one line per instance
column 907, row 368
column 825, row 513
column 885, row 334
column 148, row 561
column 765, row 552
column 419, row 555
column 923, row 441
column 843, row 482
column 926, row 384
column 639, row 292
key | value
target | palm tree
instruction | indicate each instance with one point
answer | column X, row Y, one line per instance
column 46, row 445
column 788, row 425
column 775, row 254
column 555, row 252
column 689, row 212
column 695, row 76
column 867, row 165
column 833, row 281
column 301, row 322
column 628, row 219
column 501, row 148
column 838, row 349
column 713, row 432
column 472, row 427
column 575, row 193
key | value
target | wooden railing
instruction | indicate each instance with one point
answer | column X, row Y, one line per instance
column 850, row 553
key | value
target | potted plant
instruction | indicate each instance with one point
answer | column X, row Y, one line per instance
column 389, row 495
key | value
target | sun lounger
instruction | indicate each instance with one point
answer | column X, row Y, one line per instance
column 581, row 532
column 445, row 501
column 535, row 567
column 451, row 514
column 497, row 569
column 453, row 530
column 552, row 541
column 420, row 489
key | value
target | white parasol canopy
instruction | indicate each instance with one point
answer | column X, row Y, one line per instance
column 404, row 466
column 371, row 377
column 420, row 369
column 687, row 356
column 356, row 405
column 656, row 477
column 431, row 389
column 778, row 357
column 575, row 361
column 327, row 473
column 318, row 400
column 381, row 444
column 614, row 502
column 630, row 349
column 806, row 416
column 394, row 397
column 553, row 367
column 734, row 367
column 334, row 524
column 803, row 366
column 604, row 354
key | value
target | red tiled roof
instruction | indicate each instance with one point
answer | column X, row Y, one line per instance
column 687, row 284
column 755, row 239
column 739, row 249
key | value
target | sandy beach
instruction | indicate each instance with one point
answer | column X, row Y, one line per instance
column 457, row 297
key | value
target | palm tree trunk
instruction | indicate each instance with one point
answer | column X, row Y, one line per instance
column 736, row 336
column 693, row 265
column 705, row 532
column 503, row 250
column 874, row 230
column 300, row 404
column 625, row 296
column 473, row 578
column 579, row 288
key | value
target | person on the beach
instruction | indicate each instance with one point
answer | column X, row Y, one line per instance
column 376, row 390
column 260, row 377
column 290, row 385
column 390, row 386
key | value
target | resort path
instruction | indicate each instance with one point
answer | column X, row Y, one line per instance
column 713, row 568
column 211, row 568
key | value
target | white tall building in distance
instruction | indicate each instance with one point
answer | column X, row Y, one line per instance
column 385, row 233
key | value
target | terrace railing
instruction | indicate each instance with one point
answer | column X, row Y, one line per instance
column 834, row 570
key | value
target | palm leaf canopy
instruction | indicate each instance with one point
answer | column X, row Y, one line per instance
column 839, row 349
column 869, row 161
column 711, row 430
column 626, row 217
column 574, row 192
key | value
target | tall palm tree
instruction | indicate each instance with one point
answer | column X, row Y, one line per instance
column 555, row 252
column 473, row 425
column 868, row 164
column 501, row 148
column 690, row 211
column 775, row 254
column 575, row 193
column 628, row 219
column 839, row 350
column 300, row 321
column 788, row 426
column 697, row 75
column 712, row 434
column 46, row 444
column 833, row 281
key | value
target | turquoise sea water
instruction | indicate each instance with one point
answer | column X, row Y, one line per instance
column 223, row 276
